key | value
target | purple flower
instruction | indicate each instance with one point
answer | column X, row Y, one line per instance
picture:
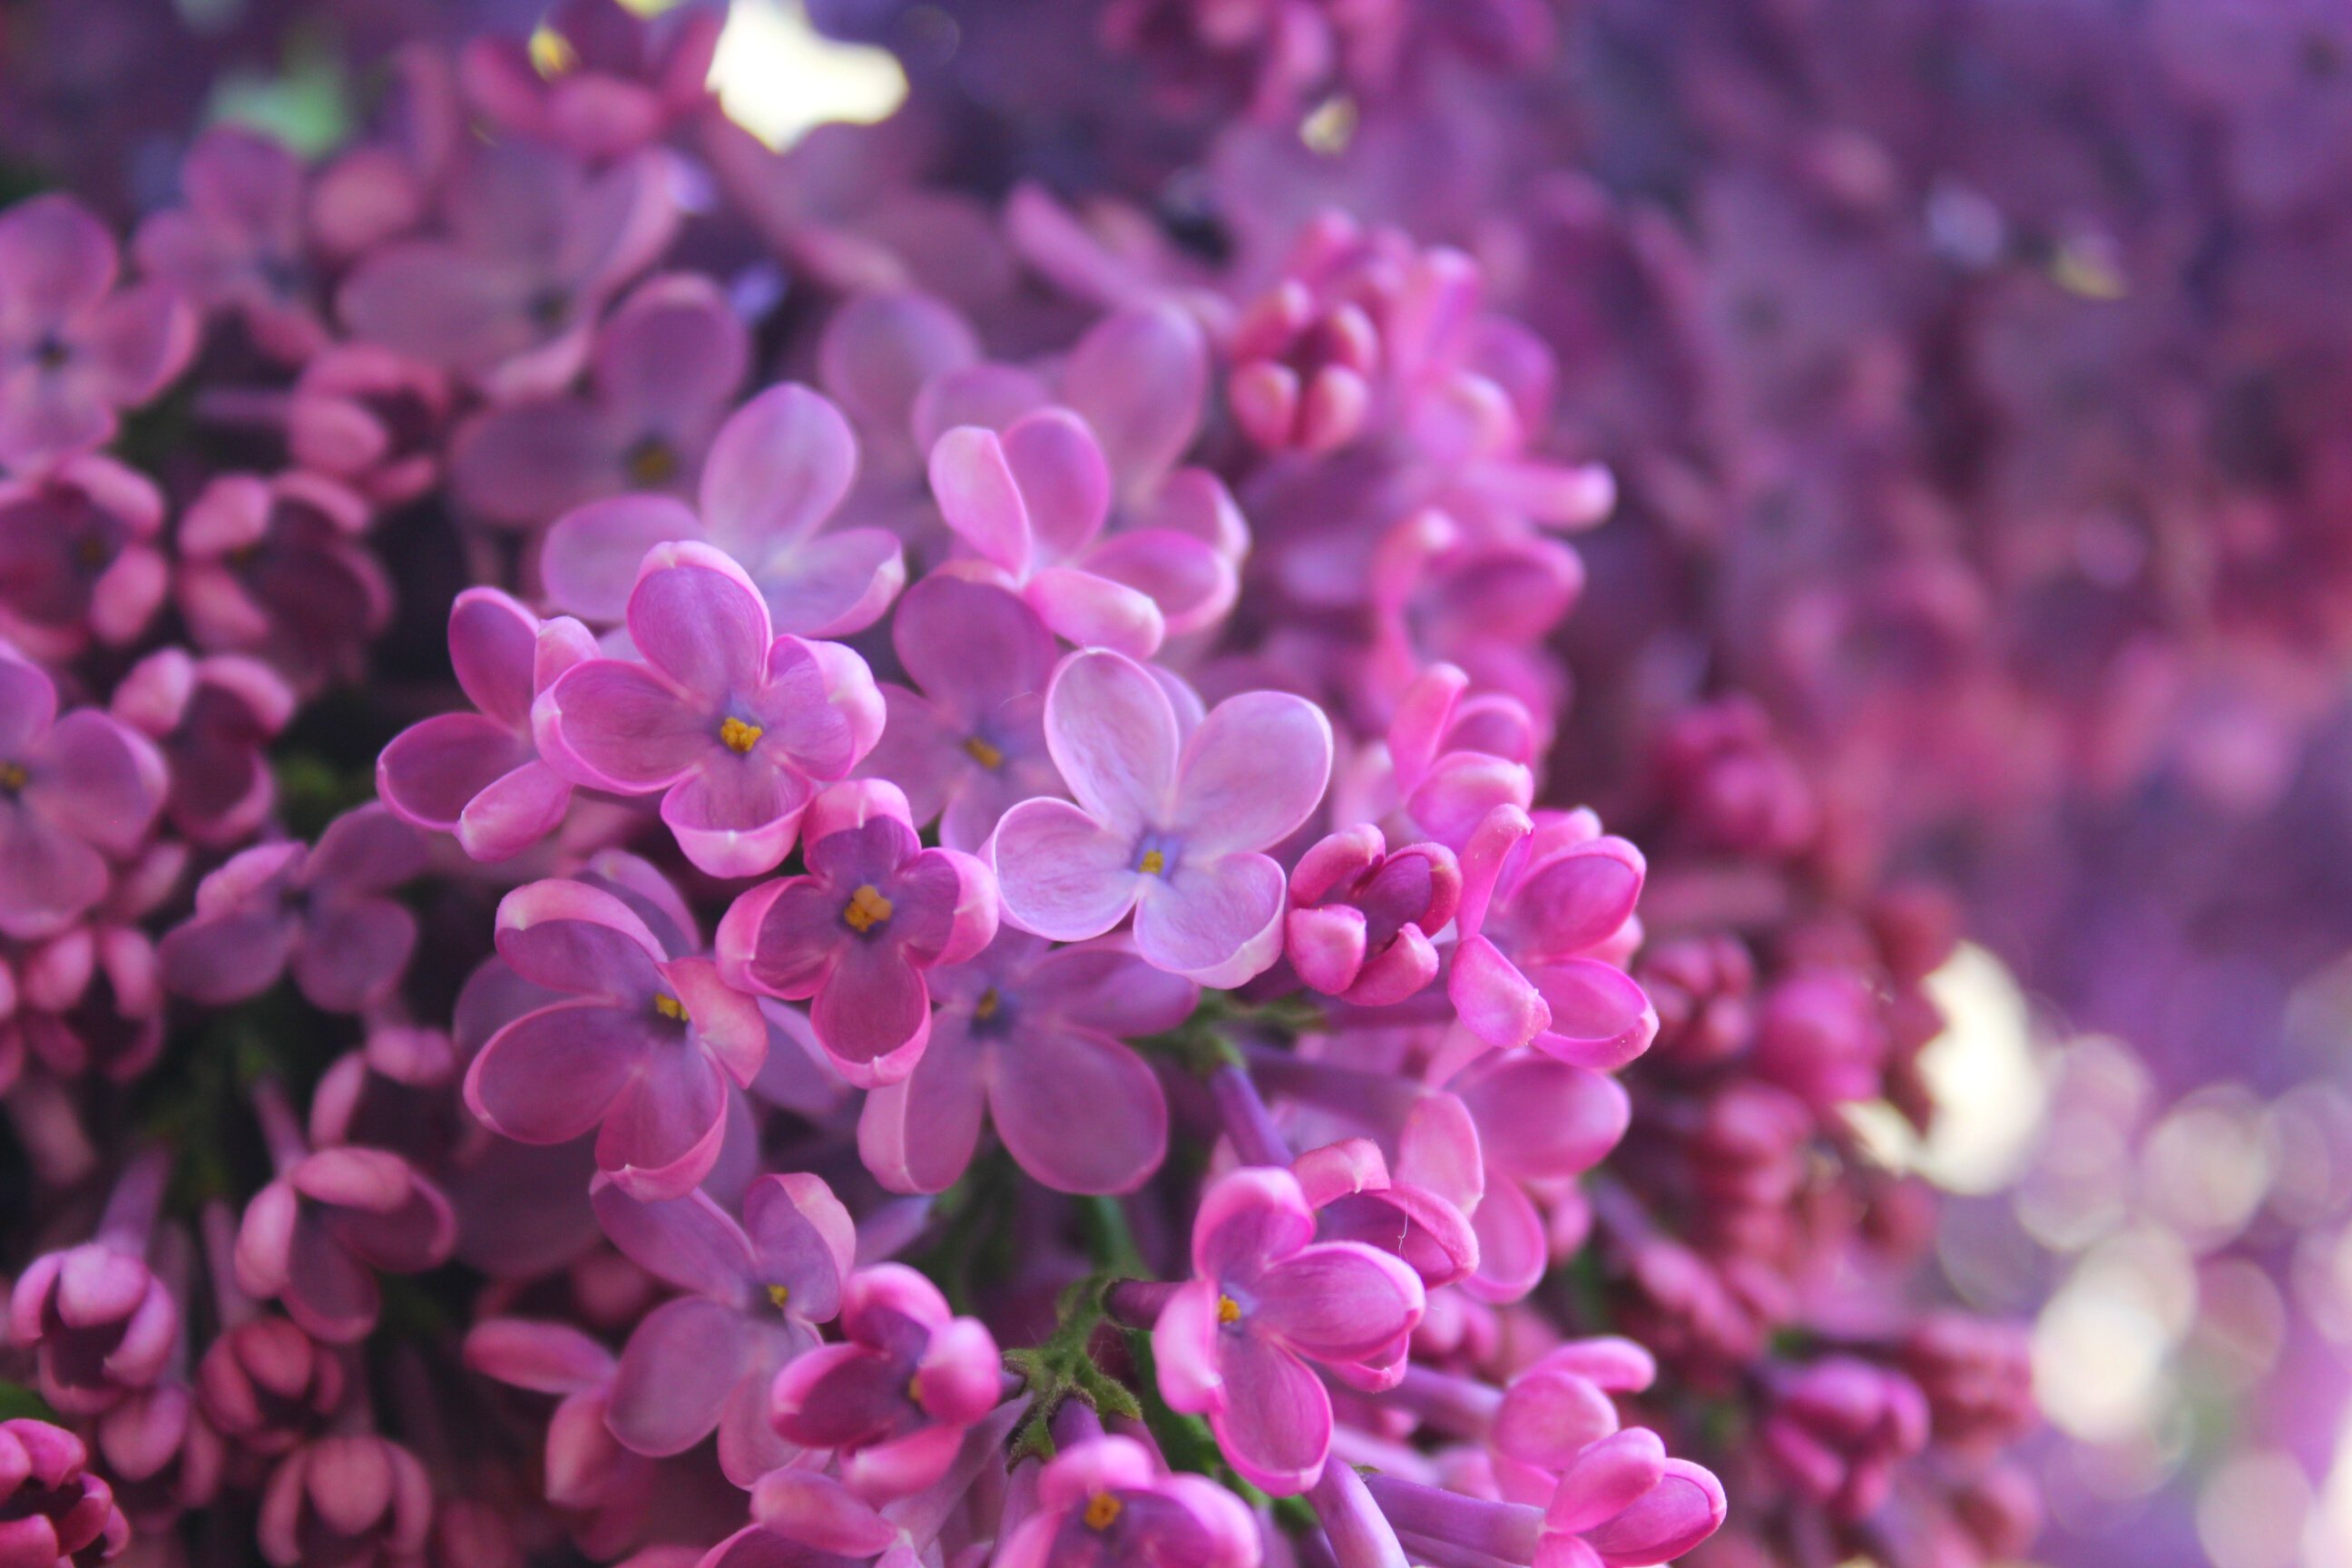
column 323, row 909
column 1420, row 1211
column 1545, row 912
column 640, row 1045
column 354, row 1498
column 970, row 741
column 1036, row 1035
column 1168, row 825
column 276, row 567
column 1455, row 757
column 1033, row 503
column 478, row 774
column 597, row 79
column 315, row 1238
column 98, row 1319
column 91, row 999
column 730, row 721
column 777, row 470
column 1840, row 1428
column 536, row 245
column 893, row 1400
column 1818, row 1035
column 266, row 1384
column 1103, row 1501
column 212, row 718
column 662, row 374
column 238, row 242
column 73, row 791
column 79, row 560
column 856, row 933
column 706, row 1360
column 1622, row 1503
column 53, row 1512
column 1266, row 1299
column 74, row 349
column 1361, row 918
column 1540, row 1123
column 369, row 418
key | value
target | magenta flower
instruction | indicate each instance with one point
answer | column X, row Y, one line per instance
column 856, row 934
column 1419, row 1210
column 1032, row 505
column 1621, row 1504
column 1103, row 1501
column 1840, row 1428
column 639, row 1044
column 315, row 1238
column 212, row 718
column 893, row 1400
column 754, row 1291
column 54, row 1513
column 1361, row 918
column 74, row 349
column 276, row 567
column 480, row 774
column 237, row 244
column 1455, row 757
column 1820, row 1036
column 661, row 376
column 777, row 470
column 369, row 418
column 99, row 1321
column 536, row 245
column 1036, row 1036
column 730, row 721
column 1545, row 913
column 266, row 1384
column 322, row 910
column 352, row 1498
column 73, row 791
column 90, row 999
column 1169, row 826
column 969, row 741
column 1541, row 1124
column 79, row 560
column 1266, row 1299
column 617, row 80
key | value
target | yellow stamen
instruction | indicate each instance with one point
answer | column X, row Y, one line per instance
column 551, row 53
column 987, row 1004
column 13, row 776
column 1228, row 1309
column 867, row 909
column 779, row 1294
column 738, row 736
column 1153, row 864
column 652, row 462
column 1103, row 1510
column 986, row 755
column 670, row 1008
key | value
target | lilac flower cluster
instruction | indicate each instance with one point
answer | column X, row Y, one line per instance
column 791, row 860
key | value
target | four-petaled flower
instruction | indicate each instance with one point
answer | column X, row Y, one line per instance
column 1103, row 1501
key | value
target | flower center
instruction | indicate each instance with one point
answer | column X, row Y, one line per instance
column 13, row 776
column 670, row 1008
column 988, row 1004
column 652, row 461
column 739, row 737
column 1153, row 864
column 867, row 909
column 980, row 751
column 51, row 355
column 1103, row 1510
column 778, row 1295
column 1228, row 1309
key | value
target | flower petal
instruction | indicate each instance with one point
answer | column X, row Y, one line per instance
column 1050, row 1082
column 1252, row 771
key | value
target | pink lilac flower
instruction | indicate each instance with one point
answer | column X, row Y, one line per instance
column 480, row 776
column 1266, row 1299
column 1170, row 825
column 237, row 244
column 754, row 1290
column 325, row 912
column 1454, row 755
column 98, row 1319
column 74, row 349
column 1541, row 1124
column 731, row 721
column 857, row 935
column 1841, row 1426
column 369, row 418
column 1418, row 1210
column 616, row 80
column 776, row 471
column 79, row 560
column 1818, row 1035
column 73, row 791
column 91, row 999
column 1361, row 918
column 1620, row 1503
column 212, row 717
column 352, row 1498
column 662, row 374
column 163, row 1457
column 1034, row 1036
column 1103, row 1501
column 589, row 1471
column 537, row 244
column 54, row 1513
column 276, row 567
column 1032, row 505
column 968, row 740
column 266, row 1386
column 637, row 1044
column 892, row 1400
